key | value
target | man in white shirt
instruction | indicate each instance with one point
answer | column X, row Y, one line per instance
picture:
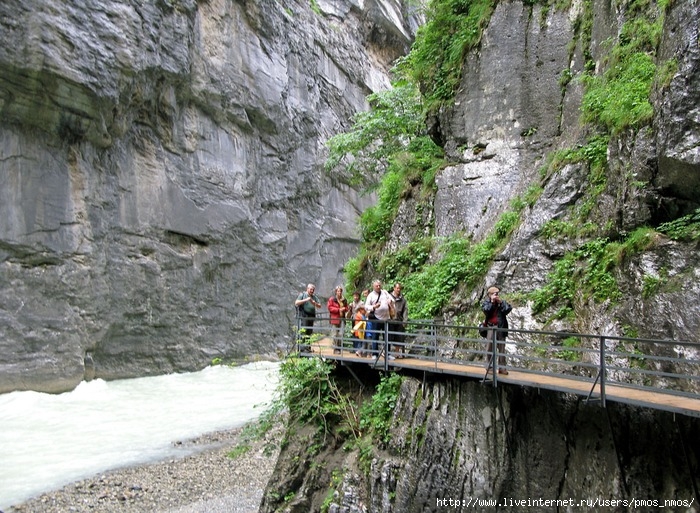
column 377, row 306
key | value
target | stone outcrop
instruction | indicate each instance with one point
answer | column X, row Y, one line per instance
column 162, row 194
column 489, row 449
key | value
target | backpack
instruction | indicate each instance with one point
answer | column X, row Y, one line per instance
column 300, row 308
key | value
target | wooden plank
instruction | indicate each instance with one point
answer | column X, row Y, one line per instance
column 657, row 399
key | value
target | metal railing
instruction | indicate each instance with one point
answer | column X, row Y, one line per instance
column 670, row 366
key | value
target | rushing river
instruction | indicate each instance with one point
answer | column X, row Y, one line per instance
column 47, row 441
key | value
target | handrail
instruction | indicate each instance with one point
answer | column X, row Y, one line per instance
column 671, row 366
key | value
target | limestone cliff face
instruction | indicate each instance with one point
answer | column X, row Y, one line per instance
column 513, row 110
column 162, row 198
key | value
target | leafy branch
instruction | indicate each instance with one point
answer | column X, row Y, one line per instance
column 361, row 155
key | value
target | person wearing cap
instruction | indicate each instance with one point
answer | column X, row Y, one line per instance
column 496, row 310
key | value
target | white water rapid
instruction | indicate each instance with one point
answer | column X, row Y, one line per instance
column 48, row 441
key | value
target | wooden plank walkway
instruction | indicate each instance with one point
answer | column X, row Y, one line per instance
column 659, row 399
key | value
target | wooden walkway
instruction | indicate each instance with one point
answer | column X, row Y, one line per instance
column 658, row 399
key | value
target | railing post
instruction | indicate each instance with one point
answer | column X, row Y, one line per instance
column 386, row 346
column 603, row 371
column 494, row 355
column 433, row 329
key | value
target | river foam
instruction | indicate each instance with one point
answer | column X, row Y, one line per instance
column 47, row 441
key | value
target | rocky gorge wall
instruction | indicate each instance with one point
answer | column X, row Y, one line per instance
column 461, row 440
column 162, row 198
column 513, row 111
column 487, row 449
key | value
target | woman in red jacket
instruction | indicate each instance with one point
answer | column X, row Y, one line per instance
column 337, row 308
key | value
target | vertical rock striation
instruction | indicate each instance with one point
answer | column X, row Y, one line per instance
column 461, row 445
column 162, row 198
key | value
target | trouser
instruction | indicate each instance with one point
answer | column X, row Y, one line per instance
column 357, row 344
column 377, row 334
column 500, row 346
column 396, row 336
column 337, row 333
column 307, row 327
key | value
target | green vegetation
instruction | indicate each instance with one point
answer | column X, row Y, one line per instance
column 619, row 98
column 386, row 149
column 570, row 355
column 452, row 28
column 638, row 360
column 376, row 415
column 686, row 228
column 353, row 271
column 650, row 286
column 599, row 259
column 559, row 289
column 594, row 155
column 315, row 8
column 376, row 418
column 664, row 282
column 406, row 260
column 390, row 137
column 558, row 229
column 376, row 221
column 461, row 263
column 336, row 479
column 588, row 271
column 309, row 393
column 529, row 199
column 665, row 72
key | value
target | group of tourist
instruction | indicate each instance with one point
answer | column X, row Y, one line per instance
column 368, row 315
column 370, row 311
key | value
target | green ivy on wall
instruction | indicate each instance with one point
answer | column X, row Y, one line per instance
column 588, row 272
column 452, row 28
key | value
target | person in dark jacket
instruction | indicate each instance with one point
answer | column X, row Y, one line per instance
column 496, row 310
